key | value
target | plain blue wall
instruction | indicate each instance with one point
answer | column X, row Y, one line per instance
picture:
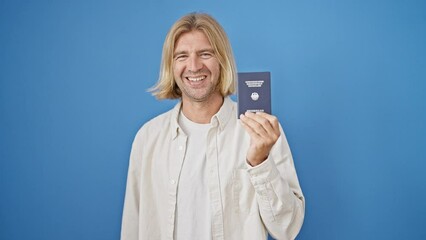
column 348, row 87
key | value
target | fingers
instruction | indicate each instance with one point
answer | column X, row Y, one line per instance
column 249, row 129
column 271, row 118
column 262, row 124
column 256, row 125
column 264, row 131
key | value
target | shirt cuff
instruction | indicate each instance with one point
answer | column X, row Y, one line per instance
column 263, row 173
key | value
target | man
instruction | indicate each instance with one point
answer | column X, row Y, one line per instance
column 196, row 171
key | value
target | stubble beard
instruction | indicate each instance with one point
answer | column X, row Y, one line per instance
column 199, row 95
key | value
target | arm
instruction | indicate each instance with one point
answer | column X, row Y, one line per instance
column 273, row 176
column 130, row 219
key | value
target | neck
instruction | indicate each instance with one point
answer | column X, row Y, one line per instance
column 202, row 112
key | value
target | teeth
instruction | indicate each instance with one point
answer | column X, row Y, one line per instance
column 196, row 79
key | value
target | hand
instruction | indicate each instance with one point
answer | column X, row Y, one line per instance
column 264, row 132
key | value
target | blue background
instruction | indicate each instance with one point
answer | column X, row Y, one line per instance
column 348, row 87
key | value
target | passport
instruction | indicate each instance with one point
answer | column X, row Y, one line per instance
column 254, row 92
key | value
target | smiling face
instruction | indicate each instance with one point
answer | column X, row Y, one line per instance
column 196, row 69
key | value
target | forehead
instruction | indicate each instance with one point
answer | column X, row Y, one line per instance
column 194, row 39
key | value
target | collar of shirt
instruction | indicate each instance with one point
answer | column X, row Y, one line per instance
column 220, row 119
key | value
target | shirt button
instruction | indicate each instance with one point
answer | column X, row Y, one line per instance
column 172, row 181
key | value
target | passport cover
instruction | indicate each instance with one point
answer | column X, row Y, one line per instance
column 254, row 92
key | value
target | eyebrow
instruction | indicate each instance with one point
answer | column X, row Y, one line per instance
column 209, row 50
column 179, row 53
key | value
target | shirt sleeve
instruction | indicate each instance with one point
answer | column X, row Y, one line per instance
column 278, row 193
column 130, row 219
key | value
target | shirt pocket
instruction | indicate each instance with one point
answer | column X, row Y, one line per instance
column 243, row 193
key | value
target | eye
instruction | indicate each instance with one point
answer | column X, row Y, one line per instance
column 181, row 57
column 206, row 55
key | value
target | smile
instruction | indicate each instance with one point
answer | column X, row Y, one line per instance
column 196, row 79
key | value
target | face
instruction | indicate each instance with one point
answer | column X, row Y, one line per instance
column 195, row 67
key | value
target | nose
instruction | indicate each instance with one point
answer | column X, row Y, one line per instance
column 194, row 64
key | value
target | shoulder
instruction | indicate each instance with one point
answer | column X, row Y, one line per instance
column 156, row 124
column 159, row 120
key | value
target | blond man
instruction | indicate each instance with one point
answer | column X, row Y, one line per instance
column 196, row 171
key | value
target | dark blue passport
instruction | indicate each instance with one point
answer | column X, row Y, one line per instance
column 254, row 92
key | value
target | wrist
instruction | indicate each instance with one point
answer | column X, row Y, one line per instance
column 254, row 163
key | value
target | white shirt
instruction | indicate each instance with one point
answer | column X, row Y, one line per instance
column 245, row 202
column 193, row 202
